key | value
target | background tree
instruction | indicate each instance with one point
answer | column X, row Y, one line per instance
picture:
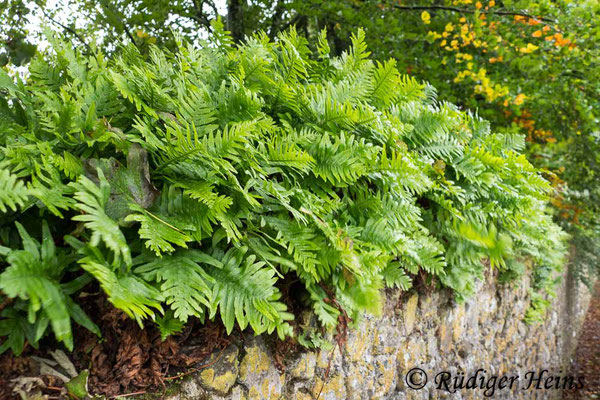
column 527, row 67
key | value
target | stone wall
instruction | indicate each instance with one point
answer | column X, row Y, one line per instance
column 426, row 331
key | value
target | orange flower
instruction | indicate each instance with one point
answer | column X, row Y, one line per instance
column 537, row 33
column 519, row 99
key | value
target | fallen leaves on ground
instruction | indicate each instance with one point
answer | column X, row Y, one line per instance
column 127, row 358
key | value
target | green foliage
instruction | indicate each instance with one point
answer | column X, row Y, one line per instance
column 195, row 183
column 33, row 276
column 13, row 192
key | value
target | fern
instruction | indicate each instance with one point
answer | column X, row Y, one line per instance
column 34, row 275
column 13, row 191
column 92, row 200
column 183, row 282
column 244, row 291
column 126, row 292
column 158, row 233
column 195, row 184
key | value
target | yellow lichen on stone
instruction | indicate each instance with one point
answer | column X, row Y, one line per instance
column 255, row 362
column 218, row 382
column 386, row 378
column 265, row 389
column 457, row 326
column 305, row 367
column 253, row 393
column 323, row 357
column 357, row 347
column 334, row 387
column 410, row 313
column 445, row 335
column 302, row 396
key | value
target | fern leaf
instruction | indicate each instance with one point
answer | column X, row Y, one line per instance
column 92, row 201
column 395, row 276
column 13, row 192
column 159, row 234
column 183, row 282
column 127, row 292
column 244, row 291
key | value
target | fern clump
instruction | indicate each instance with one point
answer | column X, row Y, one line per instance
column 191, row 184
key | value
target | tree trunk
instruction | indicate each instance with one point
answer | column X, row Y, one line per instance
column 235, row 19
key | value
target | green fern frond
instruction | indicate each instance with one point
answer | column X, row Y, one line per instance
column 34, row 275
column 126, row 292
column 13, row 192
column 92, row 200
column 183, row 282
column 244, row 291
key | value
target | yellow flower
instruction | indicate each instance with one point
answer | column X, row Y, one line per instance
column 434, row 35
column 426, row 17
column 529, row 49
column 443, row 43
column 478, row 5
column 492, row 3
column 449, row 27
column 519, row 99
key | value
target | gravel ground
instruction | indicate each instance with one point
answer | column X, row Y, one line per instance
column 587, row 355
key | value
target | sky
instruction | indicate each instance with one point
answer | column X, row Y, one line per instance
column 64, row 10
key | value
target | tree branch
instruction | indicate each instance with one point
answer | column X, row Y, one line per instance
column 72, row 31
column 128, row 33
column 276, row 19
column 467, row 11
column 199, row 15
column 291, row 22
column 212, row 5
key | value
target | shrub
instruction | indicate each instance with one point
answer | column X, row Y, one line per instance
column 196, row 183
